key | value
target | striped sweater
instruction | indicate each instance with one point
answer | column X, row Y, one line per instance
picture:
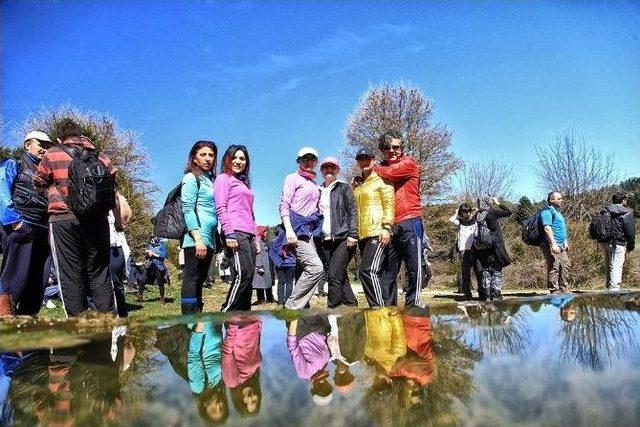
column 53, row 174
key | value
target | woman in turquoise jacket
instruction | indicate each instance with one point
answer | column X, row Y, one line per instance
column 204, row 369
column 199, row 211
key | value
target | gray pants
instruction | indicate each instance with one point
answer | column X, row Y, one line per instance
column 312, row 274
column 613, row 262
column 558, row 268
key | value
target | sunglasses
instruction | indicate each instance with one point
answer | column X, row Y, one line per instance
column 394, row 148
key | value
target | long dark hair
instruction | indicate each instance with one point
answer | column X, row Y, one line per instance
column 203, row 399
column 192, row 154
column 228, row 157
column 236, row 395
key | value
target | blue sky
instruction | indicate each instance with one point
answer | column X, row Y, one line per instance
column 278, row 75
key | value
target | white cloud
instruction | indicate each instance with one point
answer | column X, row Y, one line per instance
column 291, row 84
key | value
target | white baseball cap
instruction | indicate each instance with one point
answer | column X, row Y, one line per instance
column 307, row 150
column 36, row 134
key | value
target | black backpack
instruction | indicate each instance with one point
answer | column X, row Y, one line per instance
column 92, row 188
column 531, row 230
column 601, row 226
column 483, row 238
column 169, row 222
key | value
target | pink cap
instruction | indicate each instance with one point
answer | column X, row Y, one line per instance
column 330, row 161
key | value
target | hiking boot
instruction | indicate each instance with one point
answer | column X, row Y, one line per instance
column 5, row 305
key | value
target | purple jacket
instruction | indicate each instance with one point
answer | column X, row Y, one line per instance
column 309, row 354
column 299, row 194
column 234, row 205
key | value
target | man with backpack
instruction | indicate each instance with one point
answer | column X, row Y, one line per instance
column 81, row 184
column 621, row 239
column 23, row 212
column 555, row 244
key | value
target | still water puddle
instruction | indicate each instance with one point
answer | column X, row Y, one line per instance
column 549, row 361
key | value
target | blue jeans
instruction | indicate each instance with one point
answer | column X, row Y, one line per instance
column 286, row 278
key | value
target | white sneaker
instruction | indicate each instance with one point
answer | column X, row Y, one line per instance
column 50, row 304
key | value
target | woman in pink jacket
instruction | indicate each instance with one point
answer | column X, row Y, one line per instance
column 234, row 207
column 241, row 361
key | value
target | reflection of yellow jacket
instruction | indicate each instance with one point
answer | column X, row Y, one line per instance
column 384, row 340
column 376, row 203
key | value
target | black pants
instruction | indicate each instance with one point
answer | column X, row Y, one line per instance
column 336, row 256
column 373, row 257
column 193, row 277
column 23, row 267
column 117, row 268
column 265, row 294
column 405, row 245
column 469, row 262
column 152, row 275
column 243, row 261
column 81, row 255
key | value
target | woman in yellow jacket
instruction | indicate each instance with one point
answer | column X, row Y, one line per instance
column 375, row 201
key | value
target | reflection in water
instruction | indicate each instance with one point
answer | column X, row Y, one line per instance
column 387, row 367
column 597, row 330
column 499, row 329
column 210, row 364
column 67, row 387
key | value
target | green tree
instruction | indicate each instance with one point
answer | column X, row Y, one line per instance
column 631, row 187
column 524, row 209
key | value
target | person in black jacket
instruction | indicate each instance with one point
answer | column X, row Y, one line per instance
column 492, row 260
column 339, row 232
column 624, row 240
column 25, row 246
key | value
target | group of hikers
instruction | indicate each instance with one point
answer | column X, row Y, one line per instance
column 61, row 200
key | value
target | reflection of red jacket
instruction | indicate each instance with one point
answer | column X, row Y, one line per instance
column 404, row 174
column 241, row 352
column 420, row 364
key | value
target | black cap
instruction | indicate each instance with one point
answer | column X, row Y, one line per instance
column 365, row 152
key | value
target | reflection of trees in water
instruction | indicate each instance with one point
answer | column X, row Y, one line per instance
column 498, row 329
column 603, row 329
column 453, row 382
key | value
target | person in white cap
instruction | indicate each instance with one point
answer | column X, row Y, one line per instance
column 302, row 222
column 339, row 232
column 25, row 222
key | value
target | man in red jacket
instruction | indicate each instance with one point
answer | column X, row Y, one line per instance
column 407, row 241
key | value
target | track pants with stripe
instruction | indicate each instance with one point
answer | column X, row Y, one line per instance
column 405, row 245
column 373, row 257
column 243, row 264
column 194, row 274
column 80, row 252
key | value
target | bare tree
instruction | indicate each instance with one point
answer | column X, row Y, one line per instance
column 403, row 108
column 570, row 166
column 485, row 177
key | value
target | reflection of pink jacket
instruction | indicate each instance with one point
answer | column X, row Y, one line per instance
column 241, row 353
